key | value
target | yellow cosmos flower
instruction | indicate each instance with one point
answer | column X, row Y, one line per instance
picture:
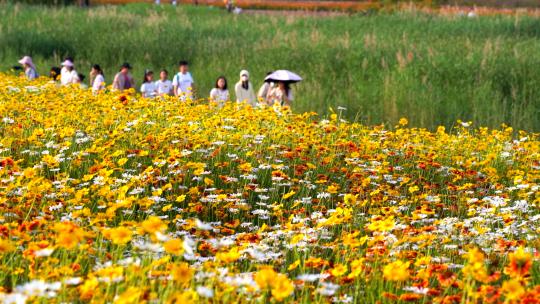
column 131, row 295
column 174, row 246
column 6, row 246
column 88, row 288
column 153, row 224
column 230, row 256
column 184, row 297
column 265, row 277
column 282, row 287
column 119, row 235
column 181, row 273
column 512, row 290
column 396, row 271
column 339, row 270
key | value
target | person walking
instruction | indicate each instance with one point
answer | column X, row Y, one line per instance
column 220, row 94
column 97, row 80
column 123, row 79
column 148, row 88
column 264, row 89
column 244, row 90
column 164, row 85
column 183, row 83
column 29, row 68
column 68, row 74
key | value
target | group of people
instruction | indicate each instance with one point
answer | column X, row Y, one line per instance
column 182, row 85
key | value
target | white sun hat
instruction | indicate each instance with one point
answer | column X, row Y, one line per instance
column 67, row 63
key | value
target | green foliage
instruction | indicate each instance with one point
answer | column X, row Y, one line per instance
column 44, row 2
column 433, row 70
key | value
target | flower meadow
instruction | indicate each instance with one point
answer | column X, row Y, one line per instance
column 117, row 198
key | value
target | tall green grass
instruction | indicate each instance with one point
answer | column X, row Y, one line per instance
column 433, row 70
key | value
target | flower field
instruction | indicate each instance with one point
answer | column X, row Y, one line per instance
column 116, row 198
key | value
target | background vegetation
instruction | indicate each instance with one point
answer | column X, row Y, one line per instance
column 432, row 69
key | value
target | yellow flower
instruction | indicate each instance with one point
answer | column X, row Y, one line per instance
column 382, row 225
column 294, row 265
column 229, row 256
column 339, row 270
column 403, row 121
column 180, row 198
column 6, row 246
column 333, row 189
column 512, row 290
column 350, row 199
column 413, row 189
column 183, row 297
column 153, row 224
column 131, row 295
column 181, row 273
column 396, row 271
column 265, row 277
column 119, row 235
column 50, row 161
column 288, row 195
column 357, row 268
column 282, row 287
column 475, row 267
column 68, row 240
column 88, row 288
column 122, row 161
column 174, row 246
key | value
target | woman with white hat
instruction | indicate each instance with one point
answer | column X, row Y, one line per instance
column 244, row 90
column 29, row 67
column 68, row 75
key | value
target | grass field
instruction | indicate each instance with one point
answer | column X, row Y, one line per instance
column 433, row 70
column 112, row 198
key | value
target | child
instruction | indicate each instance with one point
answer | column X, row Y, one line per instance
column 220, row 94
column 148, row 88
column 164, row 85
column 97, row 79
column 183, row 82
column 29, row 68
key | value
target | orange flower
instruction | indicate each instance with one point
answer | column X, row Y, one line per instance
column 410, row 297
column 520, row 263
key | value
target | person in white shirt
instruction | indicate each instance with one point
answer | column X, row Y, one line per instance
column 264, row 89
column 29, row 68
column 281, row 94
column 164, row 85
column 220, row 94
column 148, row 88
column 244, row 90
column 183, row 83
column 97, row 80
column 68, row 75
column 80, row 81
